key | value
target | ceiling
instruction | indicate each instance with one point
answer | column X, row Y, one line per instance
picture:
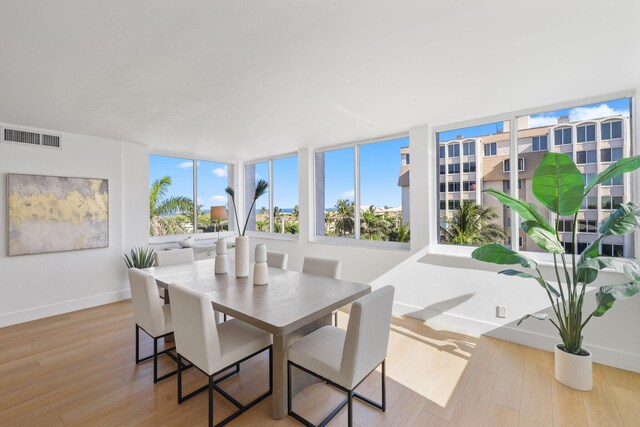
column 246, row 79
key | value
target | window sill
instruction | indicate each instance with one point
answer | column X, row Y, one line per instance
column 199, row 237
column 367, row 244
column 273, row 236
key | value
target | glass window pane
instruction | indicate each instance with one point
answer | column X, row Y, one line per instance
column 171, row 195
column 384, row 191
column 606, row 131
column 335, row 193
column 582, row 134
column 463, row 201
column 591, row 133
column 259, row 219
column 616, row 130
column 285, row 195
column 212, row 179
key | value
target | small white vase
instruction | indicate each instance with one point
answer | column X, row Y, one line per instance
column 222, row 259
column 260, row 273
column 574, row 371
column 242, row 256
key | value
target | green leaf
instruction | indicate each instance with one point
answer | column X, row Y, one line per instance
column 607, row 295
column 528, row 211
column 524, row 275
column 628, row 266
column 539, row 316
column 558, row 184
column 618, row 168
column 588, row 275
column 498, row 254
column 542, row 237
column 625, row 220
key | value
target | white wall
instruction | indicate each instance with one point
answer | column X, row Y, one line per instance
column 35, row 286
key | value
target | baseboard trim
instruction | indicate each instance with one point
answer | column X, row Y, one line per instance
column 36, row 313
column 451, row 322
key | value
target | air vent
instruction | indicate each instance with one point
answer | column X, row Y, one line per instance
column 31, row 138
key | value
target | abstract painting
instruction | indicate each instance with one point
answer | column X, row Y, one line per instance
column 54, row 214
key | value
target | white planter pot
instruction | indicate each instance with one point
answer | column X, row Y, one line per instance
column 242, row 256
column 574, row 371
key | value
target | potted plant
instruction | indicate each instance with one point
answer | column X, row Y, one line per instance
column 140, row 257
column 242, row 241
column 558, row 185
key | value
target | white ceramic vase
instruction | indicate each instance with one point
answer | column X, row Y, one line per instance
column 574, row 371
column 242, row 256
column 260, row 268
column 222, row 259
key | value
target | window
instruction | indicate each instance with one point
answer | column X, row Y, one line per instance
column 587, row 177
column 506, row 165
column 587, row 226
column 507, row 185
column 453, row 186
column 581, row 247
column 406, row 159
column 361, row 195
column 568, row 247
column 174, row 208
column 613, row 181
column 212, row 179
column 443, row 205
column 609, row 249
column 562, row 136
column 520, row 241
column 611, row 130
column 469, row 148
column 442, row 152
column 454, row 168
column 539, row 143
column 442, row 169
column 451, row 223
column 284, row 184
column 491, row 149
column 611, row 155
column 584, row 157
column 565, row 225
column 610, row 202
column 586, row 133
column 468, row 186
column 590, row 202
column 442, row 187
column 508, row 222
column 454, row 150
column 260, row 218
column 468, row 167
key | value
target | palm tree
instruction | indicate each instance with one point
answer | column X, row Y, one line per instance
column 374, row 225
column 161, row 207
column 471, row 224
column 344, row 217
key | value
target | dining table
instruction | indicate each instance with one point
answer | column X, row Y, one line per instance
column 291, row 305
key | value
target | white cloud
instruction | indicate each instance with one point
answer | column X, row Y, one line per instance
column 586, row 113
column 543, row 120
column 185, row 165
column 347, row 194
column 218, row 199
column 219, row 172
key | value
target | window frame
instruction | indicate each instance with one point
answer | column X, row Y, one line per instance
column 629, row 135
column 271, row 233
column 356, row 241
column 171, row 238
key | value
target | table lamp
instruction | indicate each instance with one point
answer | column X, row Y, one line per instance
column 218, row 213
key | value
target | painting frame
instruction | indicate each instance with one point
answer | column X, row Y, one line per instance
column 51, row 213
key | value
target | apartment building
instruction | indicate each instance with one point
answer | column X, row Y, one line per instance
column 467, row 166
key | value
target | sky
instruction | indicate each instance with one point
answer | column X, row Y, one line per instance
column 584, row 112
column 379, row 171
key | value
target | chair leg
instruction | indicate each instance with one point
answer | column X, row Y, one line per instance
column 211, row 401
column 350, row 408
column 271, row 370
column 155, row 360
column 137, row 344
column 384, row 389
column 288, row 386
column 335, row 316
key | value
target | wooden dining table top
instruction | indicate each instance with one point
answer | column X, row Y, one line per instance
column 288, row 302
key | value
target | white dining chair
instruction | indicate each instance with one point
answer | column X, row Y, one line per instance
column 150, row 316
column 172, row 257
column 325, row 267
column 277, row 259
column 343, row 359
column 214, row 348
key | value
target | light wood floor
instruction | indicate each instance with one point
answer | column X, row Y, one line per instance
column 78, row 369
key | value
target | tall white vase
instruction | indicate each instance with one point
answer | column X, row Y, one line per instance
column 574, row 371
column 242, row 256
